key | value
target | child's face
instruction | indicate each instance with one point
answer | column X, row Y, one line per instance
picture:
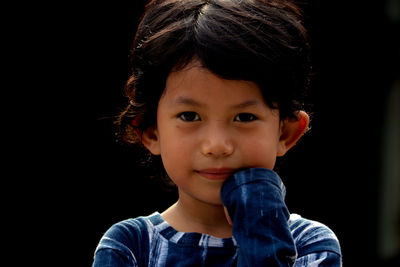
column 208, row 128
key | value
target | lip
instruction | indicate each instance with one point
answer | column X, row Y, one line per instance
column 216, row 173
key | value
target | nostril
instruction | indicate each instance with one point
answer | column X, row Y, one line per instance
column 217, row 149
column 216, row 140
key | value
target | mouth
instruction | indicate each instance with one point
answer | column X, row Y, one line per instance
column 216, row 173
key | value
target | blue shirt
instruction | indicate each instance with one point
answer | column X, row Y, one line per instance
column 264, row 234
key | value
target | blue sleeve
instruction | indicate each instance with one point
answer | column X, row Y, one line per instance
column 319, row 259
column 122, row 245
column 255, row 202
column 254, row 199
column 111, row 253
column 316, row 243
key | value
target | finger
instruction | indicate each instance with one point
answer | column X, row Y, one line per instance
column 228, row 218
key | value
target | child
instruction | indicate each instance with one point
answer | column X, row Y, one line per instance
column 217, row 93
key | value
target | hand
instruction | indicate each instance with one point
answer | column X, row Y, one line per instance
column 228, row 218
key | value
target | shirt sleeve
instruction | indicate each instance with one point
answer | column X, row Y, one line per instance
column 111, row 253
column 319, row 259
column 316, row 244
column 254, row 199
column 120, row 246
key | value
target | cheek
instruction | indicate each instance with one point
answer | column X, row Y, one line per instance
column 175, row 154
column 176, row 146
column 260, row 152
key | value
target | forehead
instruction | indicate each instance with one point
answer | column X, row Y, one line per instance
column 197, row 82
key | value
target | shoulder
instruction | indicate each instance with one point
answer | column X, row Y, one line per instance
column 127, row 231
column 312, row 236
column 128, row 238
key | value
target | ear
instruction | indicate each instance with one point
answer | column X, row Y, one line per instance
column 150, row 139
column 291, row 131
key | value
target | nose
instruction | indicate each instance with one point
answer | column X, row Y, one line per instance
column 217, row 142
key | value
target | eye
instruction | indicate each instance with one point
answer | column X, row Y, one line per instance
column 245, row 117
column 189, row 116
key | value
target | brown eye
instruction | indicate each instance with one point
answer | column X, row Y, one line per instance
column 245, row 117
column 189, row 116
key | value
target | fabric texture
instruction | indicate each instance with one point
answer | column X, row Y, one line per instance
column 264, row 234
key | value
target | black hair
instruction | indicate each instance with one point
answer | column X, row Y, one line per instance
column 263, row 41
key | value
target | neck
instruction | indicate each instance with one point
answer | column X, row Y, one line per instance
column 191, row 215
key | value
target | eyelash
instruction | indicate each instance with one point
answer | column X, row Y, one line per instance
column 189, row 116
column 249, row 117
column 189, row 113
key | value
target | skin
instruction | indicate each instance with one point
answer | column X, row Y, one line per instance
column 208, row 128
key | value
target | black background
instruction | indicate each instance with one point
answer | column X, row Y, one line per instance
column 73, row 62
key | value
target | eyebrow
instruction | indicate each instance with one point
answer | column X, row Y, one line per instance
column 249, row 103
column 187, row 101
column 191, row 102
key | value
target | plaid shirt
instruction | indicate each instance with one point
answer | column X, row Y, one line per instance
column 264, row 234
